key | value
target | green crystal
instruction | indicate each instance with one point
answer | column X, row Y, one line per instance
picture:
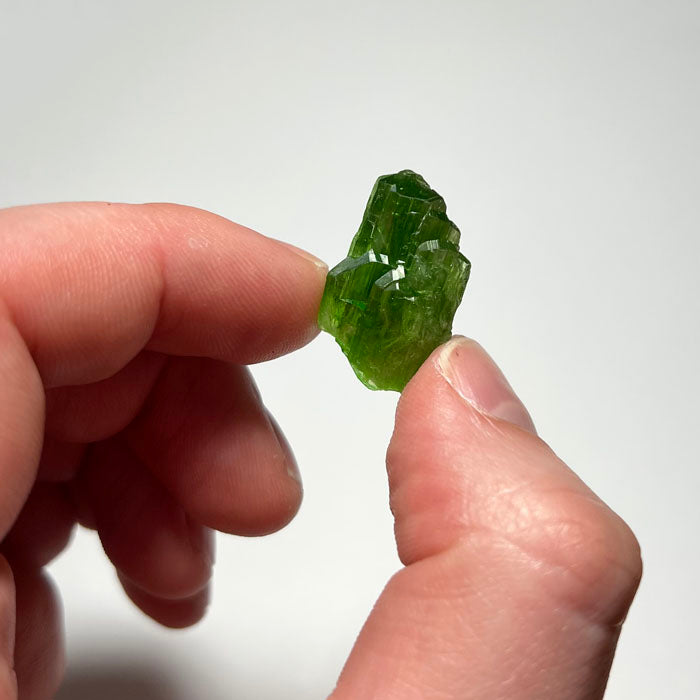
column 391, row 302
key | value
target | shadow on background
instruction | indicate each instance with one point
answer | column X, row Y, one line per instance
column 116, row 683
column 120, row 681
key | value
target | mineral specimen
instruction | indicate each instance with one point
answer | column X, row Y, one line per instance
column 391, row 302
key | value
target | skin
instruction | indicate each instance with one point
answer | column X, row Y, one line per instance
column 125, row 331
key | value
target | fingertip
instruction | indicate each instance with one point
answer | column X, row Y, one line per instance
column 321, row 267
column 266, row 291
column 270, row 508
column 461, row 439
column 175, row 614
column 218, row 452
column 475, row 377
column 261, row 508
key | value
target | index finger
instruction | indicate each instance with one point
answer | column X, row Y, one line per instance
column 88, row 285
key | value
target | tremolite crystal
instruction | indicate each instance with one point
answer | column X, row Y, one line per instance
column 391, row 302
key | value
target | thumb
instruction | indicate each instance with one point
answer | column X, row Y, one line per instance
column 517, row 577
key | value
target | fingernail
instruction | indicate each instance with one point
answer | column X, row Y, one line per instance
column 306, row 255
column 471, row 372
column 290, row 461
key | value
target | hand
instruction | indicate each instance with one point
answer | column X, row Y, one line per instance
column 124, row 333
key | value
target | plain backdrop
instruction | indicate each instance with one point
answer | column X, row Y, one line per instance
column 564, row 138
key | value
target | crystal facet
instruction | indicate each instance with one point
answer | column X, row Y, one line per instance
column 391, row 302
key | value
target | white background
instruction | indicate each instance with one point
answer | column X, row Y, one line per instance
column 564, row 137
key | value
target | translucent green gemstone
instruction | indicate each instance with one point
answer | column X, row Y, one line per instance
column 391, row 302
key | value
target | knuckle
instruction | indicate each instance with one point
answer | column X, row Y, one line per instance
column 582, row 551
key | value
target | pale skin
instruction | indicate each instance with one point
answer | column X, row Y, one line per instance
column 125, row 331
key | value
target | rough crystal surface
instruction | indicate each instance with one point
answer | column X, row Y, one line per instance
column 391, row 302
